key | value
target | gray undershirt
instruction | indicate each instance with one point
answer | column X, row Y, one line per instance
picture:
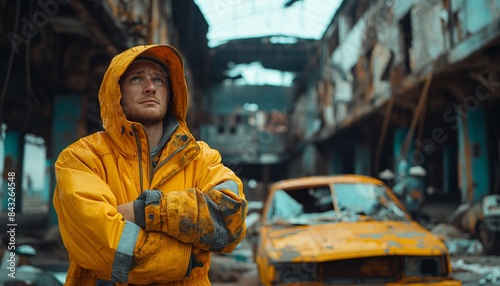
column 169, row 126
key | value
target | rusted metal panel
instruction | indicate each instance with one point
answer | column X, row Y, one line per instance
column 474, row 163
column 312, row 120
column 305, row 122
column 159, row 22
column 349, row 50
column 428, row 33
column 325, row 92
column 363, row 88
column 298, row 123
column 381, row 58
column 343, row 87
column 390, row 36
column 341, row 111
column 145, row 21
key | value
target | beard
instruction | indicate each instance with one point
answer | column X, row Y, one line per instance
column 145, row 117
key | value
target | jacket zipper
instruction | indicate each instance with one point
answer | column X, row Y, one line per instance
column 170, row 157
column 139, row 149
column 152, row 171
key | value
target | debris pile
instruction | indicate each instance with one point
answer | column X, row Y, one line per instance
column 491, row 274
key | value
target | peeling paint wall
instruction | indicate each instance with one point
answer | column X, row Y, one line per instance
column 426, row 46
column 392, row 40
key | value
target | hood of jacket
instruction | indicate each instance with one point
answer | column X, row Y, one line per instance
column 114, row 121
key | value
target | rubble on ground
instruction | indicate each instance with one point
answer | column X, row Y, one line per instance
column 491, row 274
column 225, row 268
column 457, row 242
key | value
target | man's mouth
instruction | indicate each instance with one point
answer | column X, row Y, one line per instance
column 150, row 102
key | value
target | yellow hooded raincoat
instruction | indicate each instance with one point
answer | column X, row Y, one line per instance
column 193, row 204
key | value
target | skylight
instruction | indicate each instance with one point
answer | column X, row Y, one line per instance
column 237, row 19
column 255, row 74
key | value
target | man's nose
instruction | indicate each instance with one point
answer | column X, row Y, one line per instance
column 149, row 87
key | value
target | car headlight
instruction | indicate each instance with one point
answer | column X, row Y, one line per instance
column 425, row 266
column 295, row 272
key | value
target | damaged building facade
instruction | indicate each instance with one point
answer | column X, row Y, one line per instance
column 401, row 83
column 390, row 85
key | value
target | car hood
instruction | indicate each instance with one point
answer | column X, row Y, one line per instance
column 346, row 240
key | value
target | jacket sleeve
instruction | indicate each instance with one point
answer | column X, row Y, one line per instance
column 98, row 238
column 211, row 215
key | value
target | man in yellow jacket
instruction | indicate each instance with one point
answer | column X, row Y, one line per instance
column 143, row 202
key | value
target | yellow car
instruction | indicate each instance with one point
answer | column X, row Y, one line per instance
column 345, row 230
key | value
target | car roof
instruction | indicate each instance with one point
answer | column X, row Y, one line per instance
column 322, row 180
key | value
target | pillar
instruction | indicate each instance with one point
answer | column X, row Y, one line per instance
column 400, row 166
column 337, row 161
column 362, row 159
column 473, row 166
column 67, row 123
column 449, row 170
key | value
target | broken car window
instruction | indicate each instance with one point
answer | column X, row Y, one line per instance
column 312, row 205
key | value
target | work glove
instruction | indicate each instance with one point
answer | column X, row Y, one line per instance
column 148, row 197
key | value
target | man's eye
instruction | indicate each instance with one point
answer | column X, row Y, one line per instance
column 135, row 79
column 159, row 80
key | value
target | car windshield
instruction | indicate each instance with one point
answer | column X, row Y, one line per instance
column 337, row 202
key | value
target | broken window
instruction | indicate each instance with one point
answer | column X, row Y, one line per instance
column 220, row 124
column 406, row 32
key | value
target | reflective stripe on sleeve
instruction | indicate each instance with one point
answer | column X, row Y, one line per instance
column 228, row 185
column 124, row 253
